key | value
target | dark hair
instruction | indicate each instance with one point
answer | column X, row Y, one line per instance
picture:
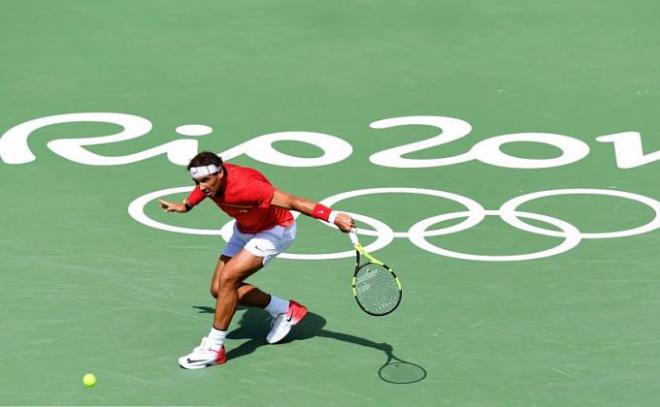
column 205, row 158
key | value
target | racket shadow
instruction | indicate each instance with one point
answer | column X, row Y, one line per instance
column 254, row 324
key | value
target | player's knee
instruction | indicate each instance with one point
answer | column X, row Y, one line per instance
column 230, row 281
column 214, row 290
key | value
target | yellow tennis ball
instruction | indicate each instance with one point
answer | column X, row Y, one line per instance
column 89, row 380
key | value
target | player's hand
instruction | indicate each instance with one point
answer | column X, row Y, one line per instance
column 344, row 222
column 172, row 206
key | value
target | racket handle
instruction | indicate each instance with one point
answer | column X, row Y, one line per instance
column 353, row 236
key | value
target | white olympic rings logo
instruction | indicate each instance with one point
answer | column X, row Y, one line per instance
column 419, row 232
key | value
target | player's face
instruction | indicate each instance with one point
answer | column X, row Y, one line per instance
column 211, row 184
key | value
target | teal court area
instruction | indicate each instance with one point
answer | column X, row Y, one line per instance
column 501, row 156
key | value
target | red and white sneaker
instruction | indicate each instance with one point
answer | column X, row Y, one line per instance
column 203, row 356
column 282, row 323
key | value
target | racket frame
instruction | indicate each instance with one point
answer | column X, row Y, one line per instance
column 359, row 251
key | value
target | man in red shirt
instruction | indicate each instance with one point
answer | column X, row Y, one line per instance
column 264, row 228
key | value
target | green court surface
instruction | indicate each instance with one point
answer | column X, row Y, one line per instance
column 559, row 308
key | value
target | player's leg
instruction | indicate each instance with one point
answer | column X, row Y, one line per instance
column 240, row 267
column 236, row 266
column 248, row 295
column 286, row 313
column 230, row 277
column 215, row 281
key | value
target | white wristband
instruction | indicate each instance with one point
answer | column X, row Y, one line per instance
column 332, row 217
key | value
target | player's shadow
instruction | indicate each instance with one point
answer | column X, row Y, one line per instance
column 254, row 324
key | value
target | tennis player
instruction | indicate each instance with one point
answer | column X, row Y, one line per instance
column 264, row 228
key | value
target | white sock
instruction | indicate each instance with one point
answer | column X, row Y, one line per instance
column 277, row 306
column 216, row 337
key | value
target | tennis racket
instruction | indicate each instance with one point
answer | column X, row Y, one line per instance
column 377, row 290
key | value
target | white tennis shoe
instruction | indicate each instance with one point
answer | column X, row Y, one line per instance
column 203, row 356
column 282, row 323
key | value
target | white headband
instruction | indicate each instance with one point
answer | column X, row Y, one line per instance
column 203, row 171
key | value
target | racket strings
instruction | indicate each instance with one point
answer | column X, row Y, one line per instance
column 376, row 289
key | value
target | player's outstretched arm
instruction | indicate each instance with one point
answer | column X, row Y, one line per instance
column 180, row 207
column 310, row 208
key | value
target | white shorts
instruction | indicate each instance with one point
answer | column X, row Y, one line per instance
column 267, row 244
